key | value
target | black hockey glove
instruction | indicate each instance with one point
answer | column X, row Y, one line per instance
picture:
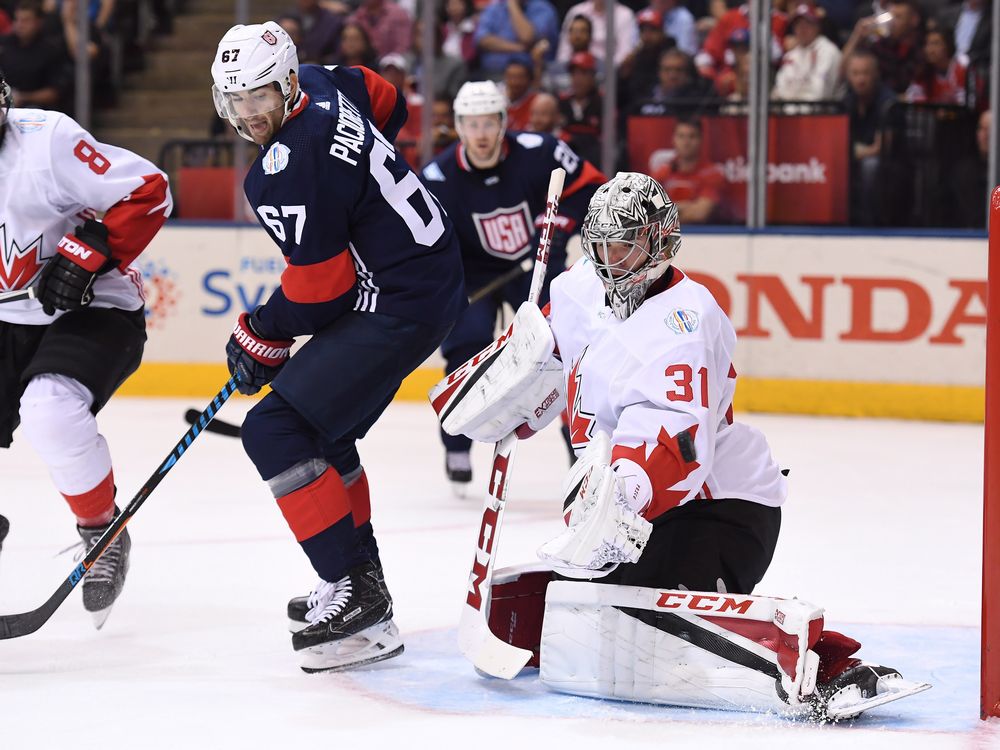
column 252, row 358
column 68, row 278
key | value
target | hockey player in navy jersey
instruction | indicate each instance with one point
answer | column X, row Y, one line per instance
column 65, row 353
column 373, row 275
column 493, row 184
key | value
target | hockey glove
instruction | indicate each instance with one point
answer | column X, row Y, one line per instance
column 252, row 358
column 68, row 278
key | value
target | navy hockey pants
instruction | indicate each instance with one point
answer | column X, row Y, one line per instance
column 325, row 398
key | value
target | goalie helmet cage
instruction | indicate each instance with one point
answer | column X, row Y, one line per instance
column 989, row 690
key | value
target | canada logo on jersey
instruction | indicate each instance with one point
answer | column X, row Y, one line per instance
column 581, row 423
column 506, row 232
column 19, row 267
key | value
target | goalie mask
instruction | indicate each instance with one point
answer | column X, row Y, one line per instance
column 254, row 75
column 630, row 233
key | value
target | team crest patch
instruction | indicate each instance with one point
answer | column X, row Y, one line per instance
column 276, row 158
column 682, row 321
column 270, row 38
column 506, row 232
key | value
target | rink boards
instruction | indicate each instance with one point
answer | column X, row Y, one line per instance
column 839, row 324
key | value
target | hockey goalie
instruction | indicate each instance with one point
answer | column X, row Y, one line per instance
column 672, row 508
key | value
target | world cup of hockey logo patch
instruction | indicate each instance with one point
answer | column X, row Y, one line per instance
column 506, row 232
column 682, row 321
column 276, row 158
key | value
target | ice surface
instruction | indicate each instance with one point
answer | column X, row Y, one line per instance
column 882, row 529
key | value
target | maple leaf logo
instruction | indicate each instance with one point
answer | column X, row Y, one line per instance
column 665, row 467
column 19, row 268
column 581, row 423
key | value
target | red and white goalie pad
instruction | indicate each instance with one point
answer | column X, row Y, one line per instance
column 682, row 648
column 514, row 384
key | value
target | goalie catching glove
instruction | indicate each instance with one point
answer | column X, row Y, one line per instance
column 603, row 530
column 514, row 384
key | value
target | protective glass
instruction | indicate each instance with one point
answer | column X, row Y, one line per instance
column 239, row 105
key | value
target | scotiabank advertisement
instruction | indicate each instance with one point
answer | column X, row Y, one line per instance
column 807, row 174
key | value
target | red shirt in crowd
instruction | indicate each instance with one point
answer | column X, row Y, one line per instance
column 704, row 181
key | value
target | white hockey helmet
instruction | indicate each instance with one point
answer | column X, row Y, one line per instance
column 480, row 98
column 634, row 210
column 248, row 57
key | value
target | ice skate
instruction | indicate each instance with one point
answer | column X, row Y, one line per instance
column 349, row 623
column 4, row 529
column 106, row 578
column 860, row 688
column 458, row 467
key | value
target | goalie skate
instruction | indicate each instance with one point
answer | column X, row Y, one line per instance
column 458, row 467
column 861, row 688
column 374, row 644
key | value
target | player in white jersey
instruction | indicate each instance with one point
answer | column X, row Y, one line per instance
column 65, row 352
column 673, row 507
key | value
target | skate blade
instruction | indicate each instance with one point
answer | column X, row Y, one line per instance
column 894, row 689
column 461, row 490
column 100, row 617
column 375, row 644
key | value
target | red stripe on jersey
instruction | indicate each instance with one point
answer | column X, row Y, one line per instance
column 133, row 220
column 589, row 175
column 319, row 282
column 382, row 95
column 300, row 107
column 361, row 502
column 706, row 493
column 317, row 506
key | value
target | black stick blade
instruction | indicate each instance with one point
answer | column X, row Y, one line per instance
column 218, row 426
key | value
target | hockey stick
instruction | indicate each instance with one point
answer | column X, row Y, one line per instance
column 14, row 626
column 475, row 640
column 17, row 296
column 218, row 426
column 507, row 276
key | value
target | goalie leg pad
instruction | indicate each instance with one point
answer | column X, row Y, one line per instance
column 685, row 648
column 517, row 605
column 515, row 383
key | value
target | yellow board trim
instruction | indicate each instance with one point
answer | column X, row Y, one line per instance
column 820, row 397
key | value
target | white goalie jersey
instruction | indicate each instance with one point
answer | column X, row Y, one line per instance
column 53, row 176
column 661, row 384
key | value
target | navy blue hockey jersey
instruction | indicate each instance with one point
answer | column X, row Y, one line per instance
column 497, row 211
column 358, row 229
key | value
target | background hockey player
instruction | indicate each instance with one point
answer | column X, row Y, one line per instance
column 493, row 185
column 65, row 353
column 673, row 505
column 373, row 275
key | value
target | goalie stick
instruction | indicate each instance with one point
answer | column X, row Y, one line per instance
column 14, row 626
column 18, row 295
column 475, row 640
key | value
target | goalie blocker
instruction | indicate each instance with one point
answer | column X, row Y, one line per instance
column 687, row 648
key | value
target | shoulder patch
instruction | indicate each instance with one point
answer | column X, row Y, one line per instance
column 276, row 158
column 682, row 321
column 29, row 123
column 530, row 140
column 433, row 172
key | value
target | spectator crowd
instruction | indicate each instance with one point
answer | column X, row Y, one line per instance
column 554, row 59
